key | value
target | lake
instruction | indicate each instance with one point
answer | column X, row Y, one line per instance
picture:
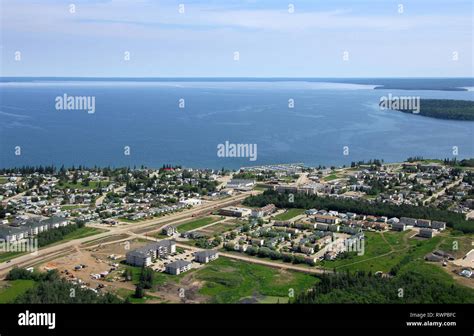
column 144, row 119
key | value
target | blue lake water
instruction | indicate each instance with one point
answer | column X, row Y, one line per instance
column 146, row 117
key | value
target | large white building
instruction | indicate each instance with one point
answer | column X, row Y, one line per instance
column 177, row 267
column 31, row 227
column 145, row 255
column 206, row 256
column 241, row 184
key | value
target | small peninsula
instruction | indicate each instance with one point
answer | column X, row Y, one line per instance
column 444, row 109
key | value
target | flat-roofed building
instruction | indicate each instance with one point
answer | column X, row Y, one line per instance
column 326, row 219
column 426, row 233
column 408, row 221
column 144, row 256
column 282, row 223
column 138, row 258
column 438, row 225
column 423, row 223
column 235, row 212
column 399, row 226
column 322, row 226
column 241, row 184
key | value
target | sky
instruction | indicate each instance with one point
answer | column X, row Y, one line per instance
column 317, row 38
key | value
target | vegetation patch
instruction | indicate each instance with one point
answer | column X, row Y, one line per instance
column 196, row 224
column 229, row 281
column 289, row 214
column 12, row 289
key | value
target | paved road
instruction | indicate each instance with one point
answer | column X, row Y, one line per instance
column 442, row 191
column 100, row 200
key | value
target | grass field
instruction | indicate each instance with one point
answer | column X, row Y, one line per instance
column 81, row 233
column 129, row 294
column 92, row 185
column 196, row 224
column 385, row 250
column 374, row 247
column 73, row 206
column 229, row 281
column 158, row 277
column 289, row 214
column 126, row 220
column 12, row 289
column 330, row 177
column 457, row 246
column 220, row 228
column 4, row 256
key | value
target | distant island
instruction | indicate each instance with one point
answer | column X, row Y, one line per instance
column 444, row 109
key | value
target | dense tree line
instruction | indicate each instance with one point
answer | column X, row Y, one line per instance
column 282, row 200
column 445, row 109
column 54, row 235
column 50, row 288
column 456, row 162
column 371, row 162
column 364, row 287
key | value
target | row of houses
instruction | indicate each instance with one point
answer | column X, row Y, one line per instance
column 31, row 227
column 427, row 227
column 326, row 220
column 180, row 266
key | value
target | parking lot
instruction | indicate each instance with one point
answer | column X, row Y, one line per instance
column 159, row 265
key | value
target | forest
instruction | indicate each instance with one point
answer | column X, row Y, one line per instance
column 362, row 287
column 50, row 288
column 445, row 109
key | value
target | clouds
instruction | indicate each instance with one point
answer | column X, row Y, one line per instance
column 165, row 41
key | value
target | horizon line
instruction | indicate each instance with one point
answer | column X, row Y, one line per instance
column 234, row 77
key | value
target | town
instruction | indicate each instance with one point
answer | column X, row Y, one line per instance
column 105, row 230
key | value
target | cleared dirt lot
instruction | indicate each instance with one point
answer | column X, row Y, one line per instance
column 108, row 260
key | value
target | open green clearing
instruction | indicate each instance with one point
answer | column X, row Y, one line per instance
column 229, row 281
column 73, row 206
column 330, row 177
column 127, row 294
column 457, row 246
column 12, row 289
column 79, row 185
column 127, row 220
column 384, row 250
column 289, row 214
column 81, row 233
column 196, row 224
column 220, row 228
column 4, row 256
column 159, row 278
